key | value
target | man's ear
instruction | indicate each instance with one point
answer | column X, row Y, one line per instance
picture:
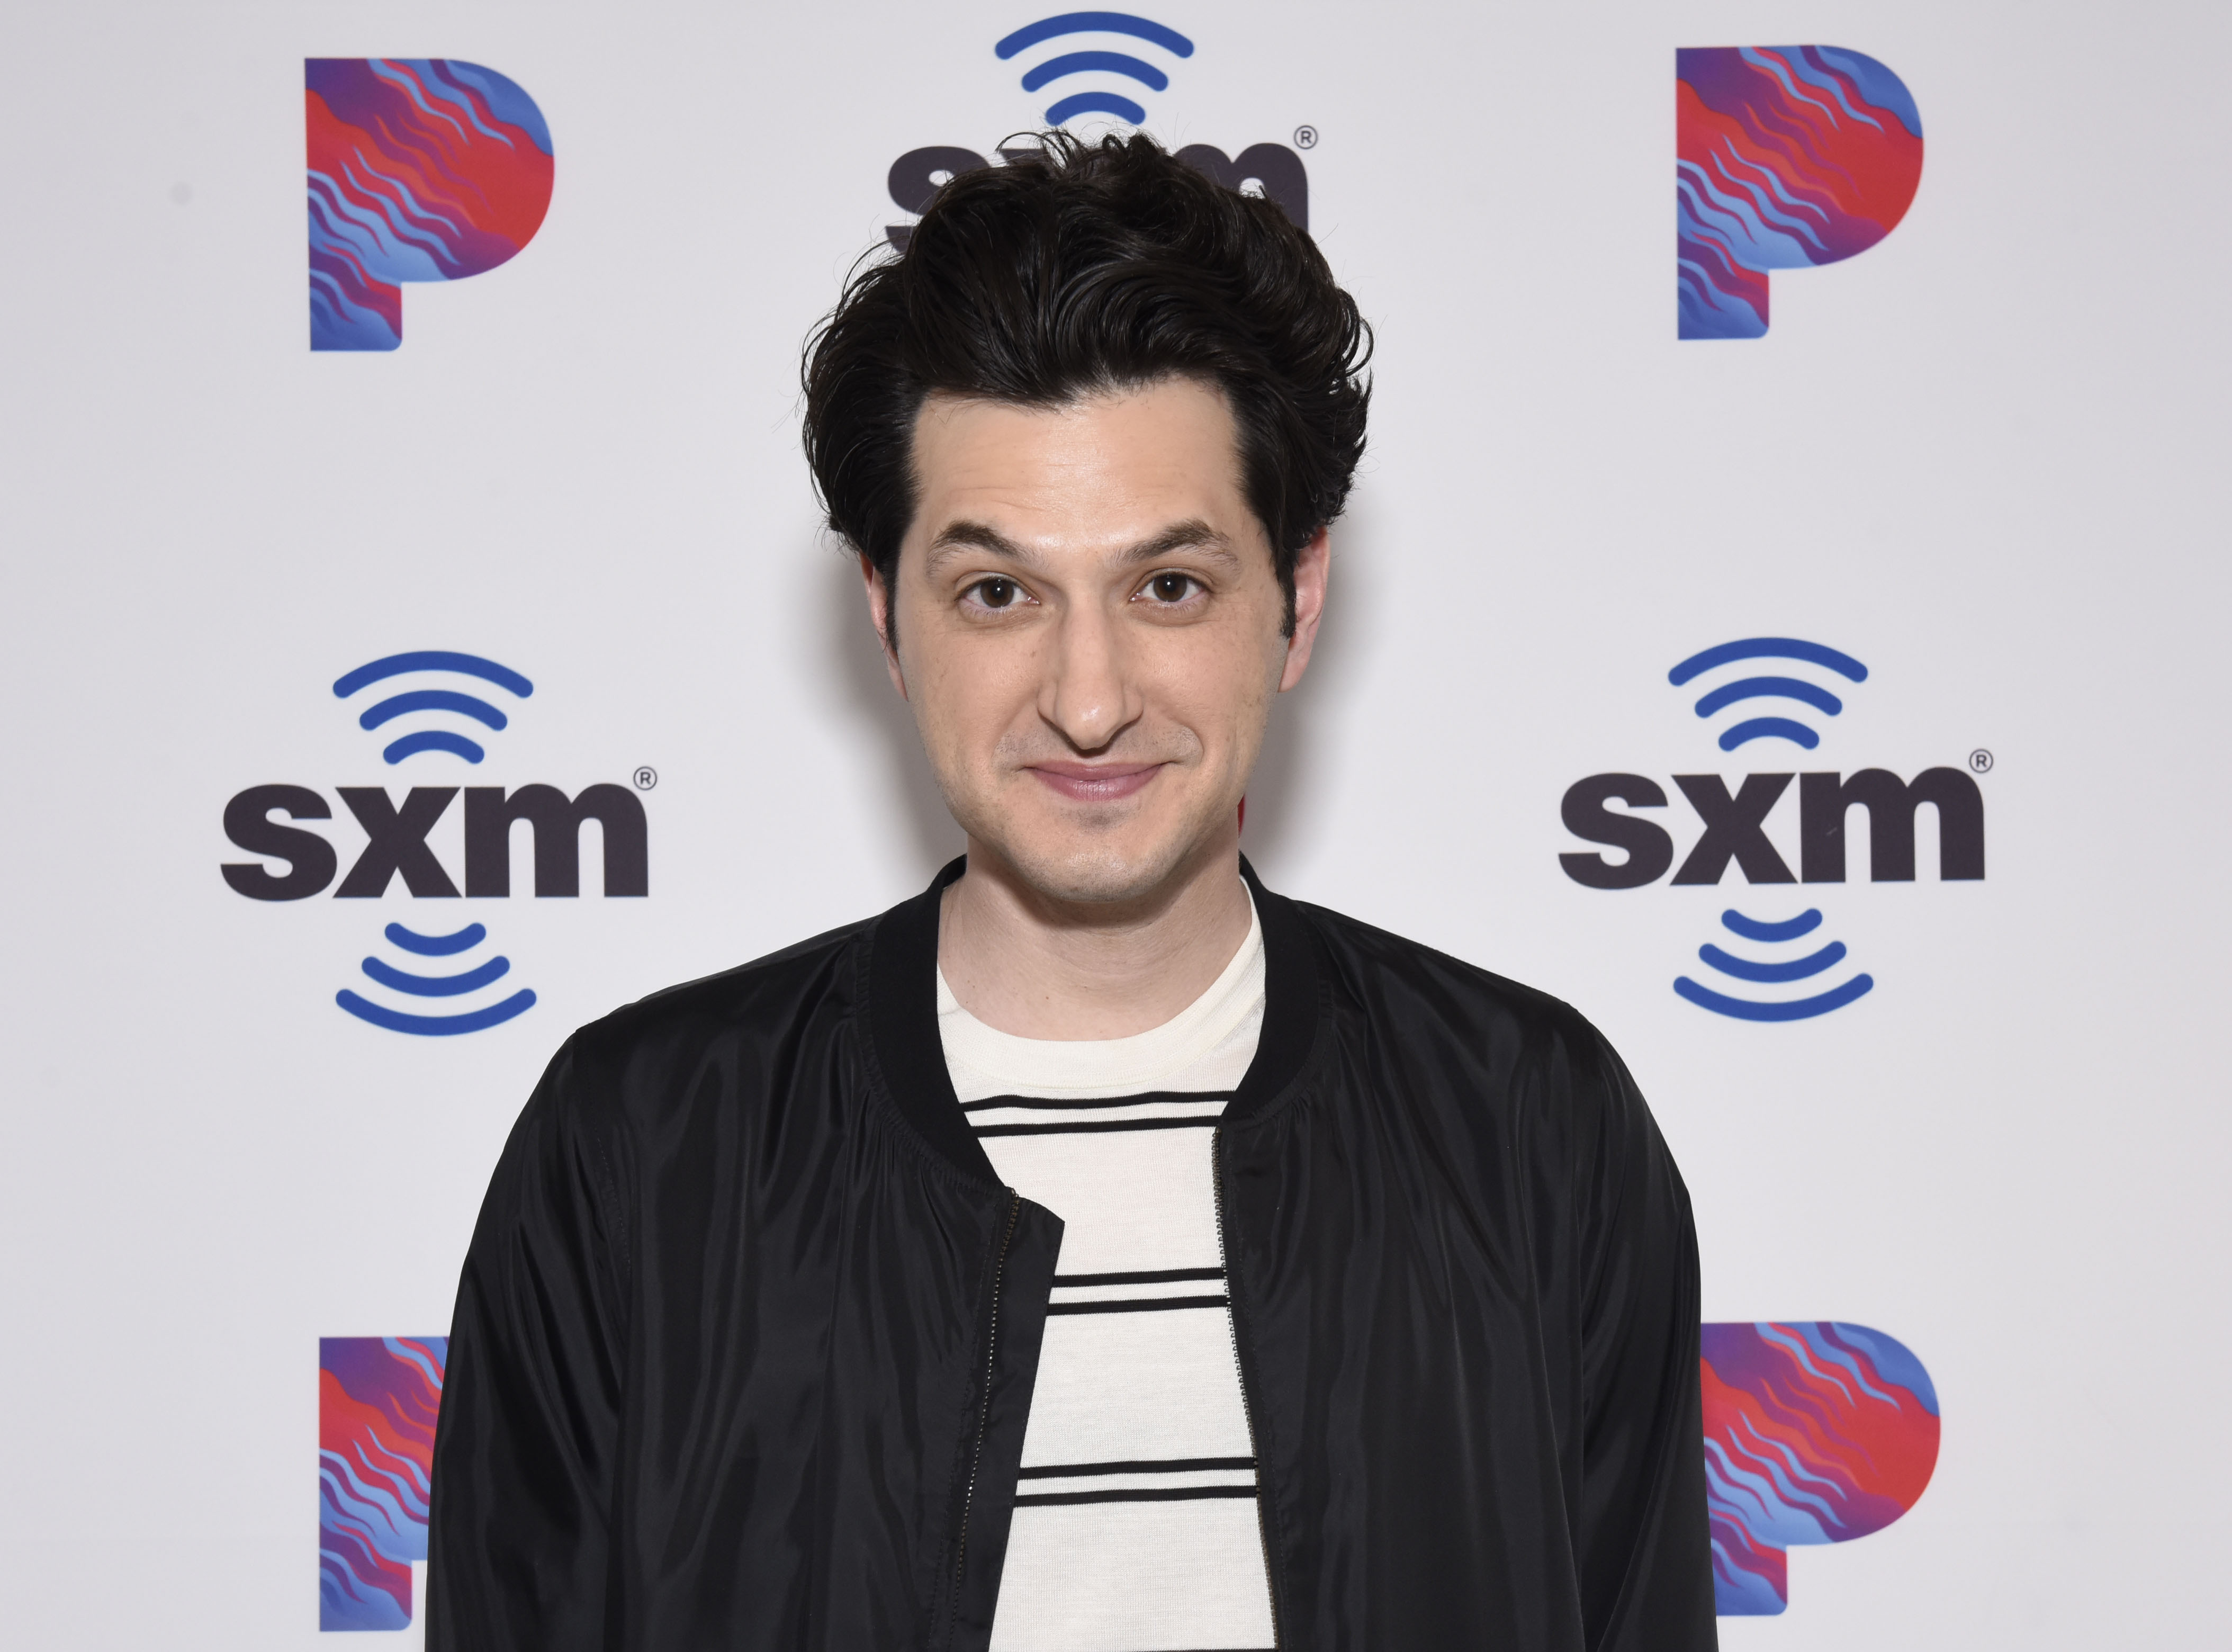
column 1313, row 566
column 879, row 615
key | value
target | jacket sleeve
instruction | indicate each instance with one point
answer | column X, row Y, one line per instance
column 520, row 1538
column 1645, row 1559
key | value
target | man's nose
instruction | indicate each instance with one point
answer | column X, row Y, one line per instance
column 1087, row 693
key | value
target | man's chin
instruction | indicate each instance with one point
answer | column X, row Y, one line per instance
column 1095, row 874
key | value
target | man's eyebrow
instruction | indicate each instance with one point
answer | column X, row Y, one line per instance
column 1193, row 533
column 965, row 534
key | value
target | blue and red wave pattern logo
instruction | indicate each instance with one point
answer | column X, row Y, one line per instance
column 421, row 169
column 1816, row 1432
column 1787, row 156
column 377, row 1399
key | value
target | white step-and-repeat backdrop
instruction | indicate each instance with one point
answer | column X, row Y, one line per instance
column 1782, row 611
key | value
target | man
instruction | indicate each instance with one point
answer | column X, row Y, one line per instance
column 1096, row 1253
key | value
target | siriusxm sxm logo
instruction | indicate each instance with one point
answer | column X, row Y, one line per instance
column 1799, row 973
column 420, row 169
column 440, row 979
column 1089, row 61
column 1786, row 158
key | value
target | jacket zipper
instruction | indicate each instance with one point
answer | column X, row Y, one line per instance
column 1239, row 1372
column 985, row 1411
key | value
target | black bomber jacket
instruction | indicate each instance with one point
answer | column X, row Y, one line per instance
column 746, row 1335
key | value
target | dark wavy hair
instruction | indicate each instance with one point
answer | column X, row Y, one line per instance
column 1080, row 267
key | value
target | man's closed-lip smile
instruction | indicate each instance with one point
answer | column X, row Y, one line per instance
column 1096, row 782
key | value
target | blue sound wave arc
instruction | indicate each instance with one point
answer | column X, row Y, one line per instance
column 1080, row 62
column 1798, row 969
column 1790, row 1009
column 1754, row 688
column 432, row 699
column 1764, row 728
column 435, row 1026
column 1094, row 22
column 432, row 739
column 438, row 987
column 420, row 1024
column 1759, row 929
column 470, row 665
column 1769, row 648
column 1079, row 103
column 438, row 946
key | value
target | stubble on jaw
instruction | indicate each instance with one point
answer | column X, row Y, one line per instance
column 1086, row 867
column 1085, row 864
column 1068, row 856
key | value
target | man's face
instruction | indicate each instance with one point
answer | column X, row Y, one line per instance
column 1089, row 632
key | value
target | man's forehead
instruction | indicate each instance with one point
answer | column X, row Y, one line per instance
column 1173, row 433
column 1113, row 472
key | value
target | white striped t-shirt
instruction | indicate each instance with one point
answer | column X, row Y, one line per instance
column 1135, row 1527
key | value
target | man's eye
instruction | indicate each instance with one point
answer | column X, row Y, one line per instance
column 997, row 593
column 1172, row 588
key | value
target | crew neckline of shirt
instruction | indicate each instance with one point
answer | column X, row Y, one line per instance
column 1059, row 1065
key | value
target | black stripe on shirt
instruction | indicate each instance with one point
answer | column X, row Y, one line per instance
column 1150, row 1098
column 1138, row 1305
column 1141, row 1465
column 1152, row 1276
column 1144, row 1494
column 1205, row 1121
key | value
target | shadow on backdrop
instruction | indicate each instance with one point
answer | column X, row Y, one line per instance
column 865, row 693
column 1295, row 774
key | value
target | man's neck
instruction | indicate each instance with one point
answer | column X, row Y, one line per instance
column 1042, row 968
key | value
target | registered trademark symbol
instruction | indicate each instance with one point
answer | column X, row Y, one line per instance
column 1981, row 760
column 647, row 777
column 1306, row 137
